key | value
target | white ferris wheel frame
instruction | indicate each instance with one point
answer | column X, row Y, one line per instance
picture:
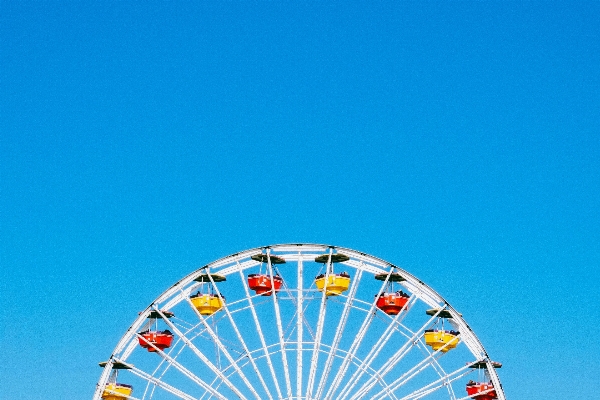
column 311, row 389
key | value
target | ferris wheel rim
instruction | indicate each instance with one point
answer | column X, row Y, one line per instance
column 467, row 334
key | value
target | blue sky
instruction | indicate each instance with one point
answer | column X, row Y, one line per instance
column 459, row 140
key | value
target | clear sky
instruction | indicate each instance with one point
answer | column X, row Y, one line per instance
column 459, row 140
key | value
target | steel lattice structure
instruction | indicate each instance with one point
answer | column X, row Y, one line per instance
column 301, row 342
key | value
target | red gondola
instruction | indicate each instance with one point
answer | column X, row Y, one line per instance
column 392, row 303
column 160, row 339
column 261, row 283
column 486, row 389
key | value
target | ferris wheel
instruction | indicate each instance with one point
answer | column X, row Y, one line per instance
column 299, row 321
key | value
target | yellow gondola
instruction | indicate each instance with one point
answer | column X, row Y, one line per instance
column 336, row 283
column 441, row 340
column 117, row 391
column 207, row 304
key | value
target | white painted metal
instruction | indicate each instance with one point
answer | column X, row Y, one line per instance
column 357, row 342
column 395, row 359
column 440, row 383
column 374, row 352
column 261, row 337
column 338, row 333
column 322, row 310
column 288, row 384
column 299, row 326
column 201, row 356
column 183, row 370
column 263, row 345
column 224, row 350
column 161, row 384
column 412, row 372
column 242, row 341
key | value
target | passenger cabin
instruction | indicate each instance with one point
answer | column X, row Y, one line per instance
column 484, row 389
column 441, row 340
column 207, row 304
column 151, row 340
column 481, row 390
column 205, row 301
column 262, row 284
column 334, row 284
column 392, row 303
column 117, row 391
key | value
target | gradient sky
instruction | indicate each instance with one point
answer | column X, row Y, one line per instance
column 459, row 140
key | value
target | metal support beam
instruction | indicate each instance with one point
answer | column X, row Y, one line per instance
column 182, row 369
column 322, row 310
column 286, row 371
column 391, row 363
column 242, row 342
column 379, row 345
column 338, row 333
column 299, row 326
column 357, row 340
column 201, row 356
column 224, row 350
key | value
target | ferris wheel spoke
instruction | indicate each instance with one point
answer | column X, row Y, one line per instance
column 227, row 371
column 372, row 311
column 410, row 374
column 161, row 371
column 280, row 333
column 339, row 332
column 395, row 359
column 201, row 356
column 224, row 350
column 261, row 336
column 242, row 342
column 440, row 383
column 439, row 369
column 351, row 353
column 173, row 390
column 171, row 361
column 305, row 322
column 434, row 362
column 359, row 337
column 322, row 310
column 379, row 345
column 299, row 326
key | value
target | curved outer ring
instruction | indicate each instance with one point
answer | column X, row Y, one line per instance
column 427, row 294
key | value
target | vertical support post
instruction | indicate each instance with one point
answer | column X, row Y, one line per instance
column 261, row 336
column 322, row 310
column 241, row 339
column 357, row 340
column 339, row 332
column 286, row 370
column 200, row 355
column 374, row 352
column 299, row 327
